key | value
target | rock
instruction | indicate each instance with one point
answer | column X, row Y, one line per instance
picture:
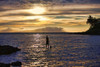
column 17, row 63
column 4, row 65
column 5, row 50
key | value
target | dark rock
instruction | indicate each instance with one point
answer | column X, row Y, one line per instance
column 5, row 50
column 16, row 63
column 4, row 65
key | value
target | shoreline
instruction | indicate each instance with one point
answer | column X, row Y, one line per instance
column 81, row 33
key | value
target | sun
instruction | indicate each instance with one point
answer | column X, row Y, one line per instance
column 38, row 10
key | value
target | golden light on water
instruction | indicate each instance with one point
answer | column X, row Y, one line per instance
column 38, row 10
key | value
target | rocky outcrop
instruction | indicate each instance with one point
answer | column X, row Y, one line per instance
column 4, row 65
column 5, row 50
column 15, row 64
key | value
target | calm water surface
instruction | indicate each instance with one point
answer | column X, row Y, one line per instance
column 68, row 50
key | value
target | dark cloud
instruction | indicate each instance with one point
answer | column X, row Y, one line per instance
column 18, row 14
column 95, row 1
column 23, row 2
column 89, row 9
column 61, row 12
column 81, row 16
column 1, row 9
column 63, row 17
column 77, row 11
column 82, row 1
column 22, row 22
column 78, row 18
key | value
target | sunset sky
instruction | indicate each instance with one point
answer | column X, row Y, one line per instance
column 47, row 15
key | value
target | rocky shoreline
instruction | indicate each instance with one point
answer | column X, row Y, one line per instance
column 5, row 50
column 17, row 63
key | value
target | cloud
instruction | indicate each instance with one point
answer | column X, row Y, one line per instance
column 25, row 3
column 82, row 1
column 75, row 9
column 1, row 9
column 21, row 22
column 73, row 24
column 11, row 15
column 17, row 14
column 8, row 30
column 69, row 24
column 63, row 17
column 57, row 10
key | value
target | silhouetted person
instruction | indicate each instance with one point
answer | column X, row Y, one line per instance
column 47, row 42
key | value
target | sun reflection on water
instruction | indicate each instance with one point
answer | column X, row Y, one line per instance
column 37, row 51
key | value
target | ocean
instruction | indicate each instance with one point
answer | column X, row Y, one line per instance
column 67, row 50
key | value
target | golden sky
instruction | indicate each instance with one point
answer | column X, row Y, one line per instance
column 41, row 17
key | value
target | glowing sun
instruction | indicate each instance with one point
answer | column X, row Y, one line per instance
column 38, row 10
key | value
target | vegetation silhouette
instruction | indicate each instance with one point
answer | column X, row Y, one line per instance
column 94, row 25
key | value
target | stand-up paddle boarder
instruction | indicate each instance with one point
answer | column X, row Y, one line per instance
column 47, row 42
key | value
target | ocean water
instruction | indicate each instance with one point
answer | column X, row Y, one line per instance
column 68, row 50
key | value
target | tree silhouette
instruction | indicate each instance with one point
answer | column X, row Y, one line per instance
column 94, row 25
column 92, row 21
